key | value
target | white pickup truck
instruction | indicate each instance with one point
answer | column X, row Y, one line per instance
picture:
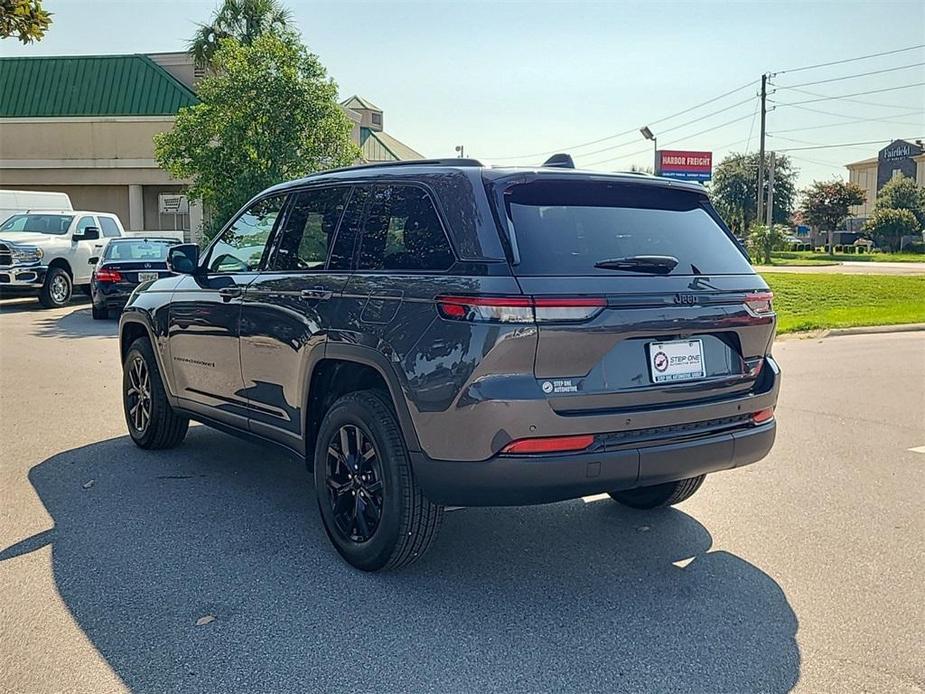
column 49, row 253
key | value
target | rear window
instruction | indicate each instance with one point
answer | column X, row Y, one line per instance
column 564, row 228
column 137, row 250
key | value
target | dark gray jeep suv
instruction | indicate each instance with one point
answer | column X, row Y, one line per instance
column 439, row 333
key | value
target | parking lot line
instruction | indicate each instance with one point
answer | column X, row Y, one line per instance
column 595, row 497
column 918, row 449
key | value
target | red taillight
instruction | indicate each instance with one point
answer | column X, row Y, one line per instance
column 107, row 275
column 519, row 309
column 762, row 416
column 551, row 444
column 759, row 302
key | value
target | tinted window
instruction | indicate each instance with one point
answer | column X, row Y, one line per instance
column 310, row 225
column 137, row 250
column 349, row 230
column 38, row 223
column 109, row 227
column 240, row 247
column 564, row 228
column 402, row 232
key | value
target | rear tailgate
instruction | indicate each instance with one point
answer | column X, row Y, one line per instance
column 709, row 308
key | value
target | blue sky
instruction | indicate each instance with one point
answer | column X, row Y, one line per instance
column 518, row 78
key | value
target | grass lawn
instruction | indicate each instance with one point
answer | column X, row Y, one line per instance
column 795, row 258
column 816, row 301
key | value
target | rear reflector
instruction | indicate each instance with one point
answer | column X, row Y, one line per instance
column 759, row 302
column 106, row 275
column 762, row 416
column 519, row 309
column 552, row 444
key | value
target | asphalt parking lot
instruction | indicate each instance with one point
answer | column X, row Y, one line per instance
column 803, row 572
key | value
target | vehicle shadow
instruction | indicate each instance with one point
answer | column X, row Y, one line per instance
column 17, row 303
column 75, row 323
column 564, row 597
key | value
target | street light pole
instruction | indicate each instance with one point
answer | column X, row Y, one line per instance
column 649, row 135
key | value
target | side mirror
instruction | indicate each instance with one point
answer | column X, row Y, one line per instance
column 94, row 260
column 88, row 234
column 183, row 259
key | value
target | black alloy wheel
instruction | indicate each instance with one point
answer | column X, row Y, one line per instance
column 354, row 483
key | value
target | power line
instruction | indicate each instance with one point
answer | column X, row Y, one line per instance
column 702, row 132
column 671, row 129
column 631, row 130
column 852, row 121
column 850, row 60
column 808, row 142
column 844, row 144
column 909, row 111
column 849, row 77
column 844, row 96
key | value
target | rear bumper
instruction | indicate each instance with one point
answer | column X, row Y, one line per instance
column 518, row 480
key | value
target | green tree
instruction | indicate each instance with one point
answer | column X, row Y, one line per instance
column 901, row 193
column 243, row 21
column 24, row 20
column 825, row 204
column 734, row 189
column 887, row 227
column 268, row 113
column 762, row 240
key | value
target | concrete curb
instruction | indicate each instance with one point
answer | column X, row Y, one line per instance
column 860, row 330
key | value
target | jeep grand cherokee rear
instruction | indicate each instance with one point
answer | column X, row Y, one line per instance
column 439, row 333
column 650, row 361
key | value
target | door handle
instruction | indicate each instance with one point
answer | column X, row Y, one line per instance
column 316, row 294
column 230, row 292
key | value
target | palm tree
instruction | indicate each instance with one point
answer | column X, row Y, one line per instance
column 243, row 20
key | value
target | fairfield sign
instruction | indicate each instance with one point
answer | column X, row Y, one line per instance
column 688, row 166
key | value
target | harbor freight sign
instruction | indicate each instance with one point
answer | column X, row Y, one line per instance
column 687, row 166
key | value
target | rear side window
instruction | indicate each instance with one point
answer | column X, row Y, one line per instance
column 137, row 250
column 403, row 232
column 565, row 228
column 109, row 227
column 309, row 228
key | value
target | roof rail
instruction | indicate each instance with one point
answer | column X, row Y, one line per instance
column 455, row 161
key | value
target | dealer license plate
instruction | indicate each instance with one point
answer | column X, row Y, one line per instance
column 147, row 276
column 680, row 360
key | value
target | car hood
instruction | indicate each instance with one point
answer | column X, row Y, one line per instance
column 25, row 237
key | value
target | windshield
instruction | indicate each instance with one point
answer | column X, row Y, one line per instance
column 138, row 250
column 572, row 228
column 38, row 223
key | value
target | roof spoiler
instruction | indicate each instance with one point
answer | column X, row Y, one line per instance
column 560, row 161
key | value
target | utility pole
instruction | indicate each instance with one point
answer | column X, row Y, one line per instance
column 760, row 195
column 770, row 210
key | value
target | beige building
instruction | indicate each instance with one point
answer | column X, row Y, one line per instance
column 84, row 125
column 899, row 158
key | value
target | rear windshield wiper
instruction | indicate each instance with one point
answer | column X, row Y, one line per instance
column 654, row 264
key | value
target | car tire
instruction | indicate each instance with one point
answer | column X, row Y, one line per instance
column 152, row 422
column 371, row 508
column 99, row 312
column 659, row 495
column 57, row 288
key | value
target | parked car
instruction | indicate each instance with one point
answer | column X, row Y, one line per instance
column 49, row 253
column 437, row 333
column 126, row 263
column 19, row 201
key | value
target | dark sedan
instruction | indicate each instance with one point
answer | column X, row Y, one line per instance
column 126, row 263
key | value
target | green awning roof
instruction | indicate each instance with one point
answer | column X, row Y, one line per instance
column 97, row 85
column 379, row 146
